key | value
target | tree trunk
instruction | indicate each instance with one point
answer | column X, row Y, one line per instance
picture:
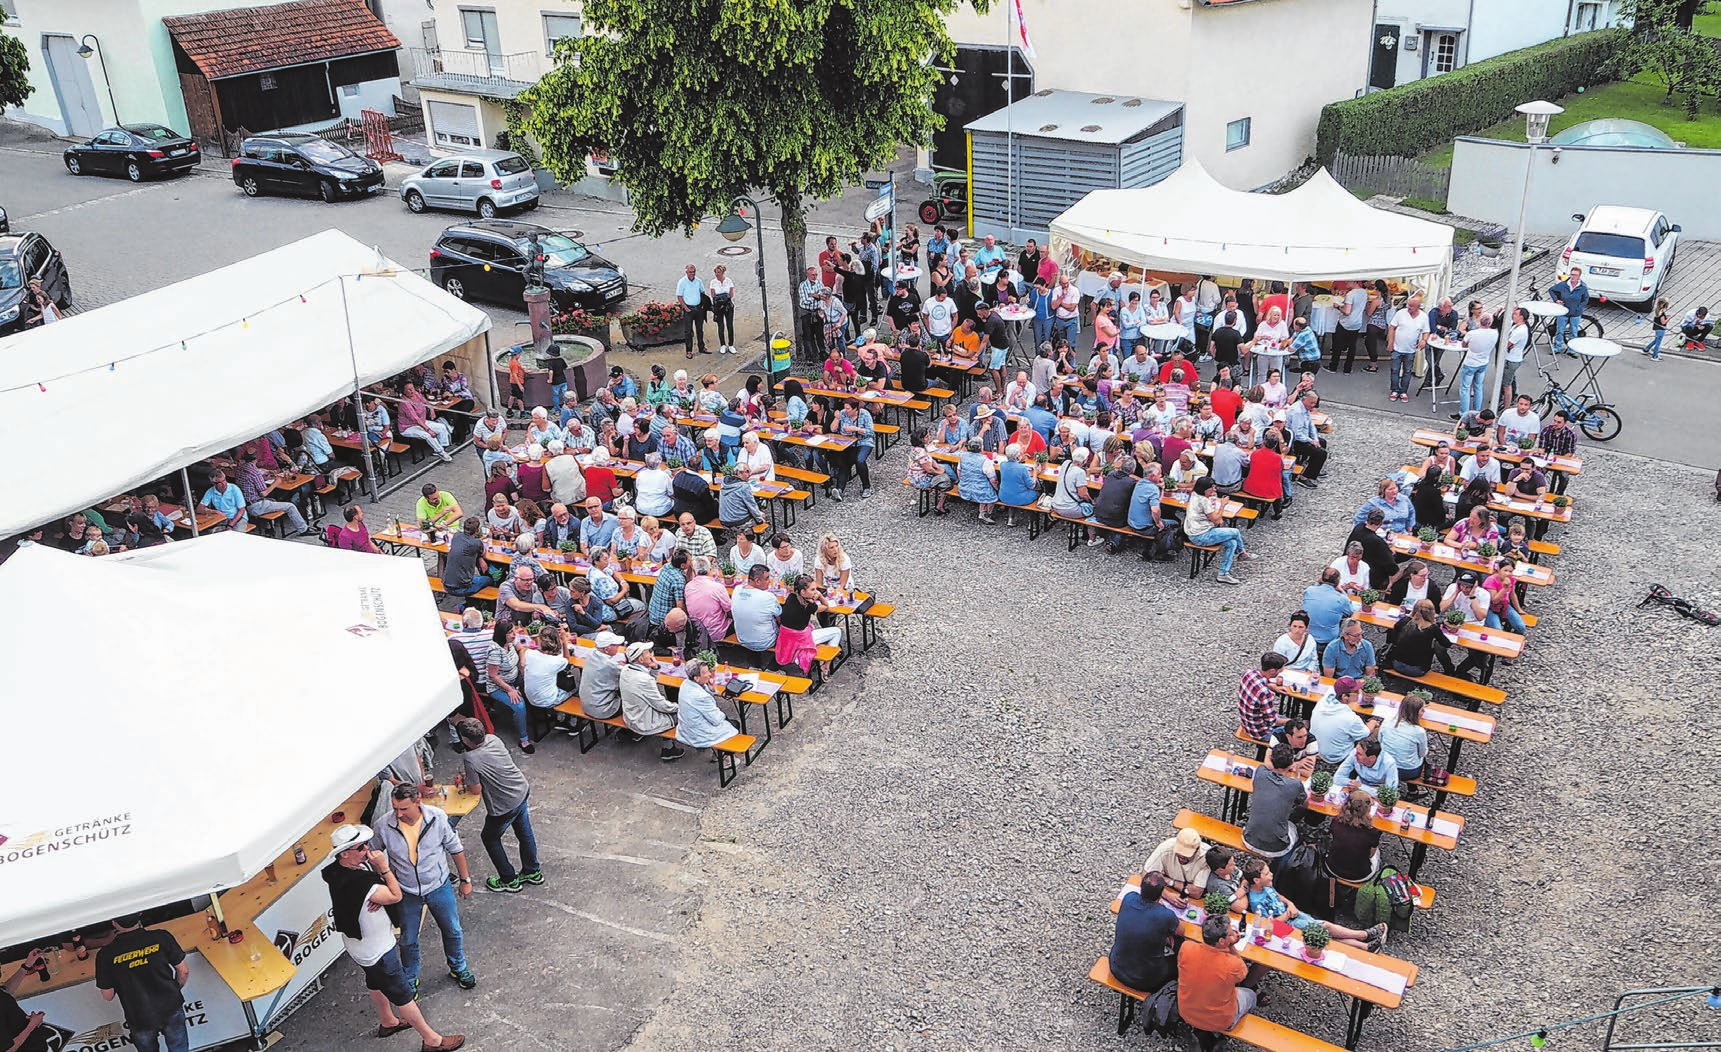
column 1685, row 12
column 795, row 248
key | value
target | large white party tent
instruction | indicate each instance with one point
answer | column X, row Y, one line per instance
column 180, row 716
column 111, row 398
column 1190, row 224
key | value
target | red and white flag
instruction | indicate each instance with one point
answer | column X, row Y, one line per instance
column 1022, row 30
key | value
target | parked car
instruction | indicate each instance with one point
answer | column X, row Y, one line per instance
column 486, row 260
column 297, row 163
column 1625, row 252
column 5, row 224
column 482, row 181
column 24, row 257
column 136, row 151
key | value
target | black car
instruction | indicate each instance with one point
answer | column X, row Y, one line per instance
column 136, row 151
column 24, row 257
column 5, row 223
column 297, row 163
column 486, row 260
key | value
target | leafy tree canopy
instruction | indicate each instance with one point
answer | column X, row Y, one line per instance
column 14, row 64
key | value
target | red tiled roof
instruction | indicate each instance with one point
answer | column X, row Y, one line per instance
column 252, row 39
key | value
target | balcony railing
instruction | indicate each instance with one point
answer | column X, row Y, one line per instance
column 525, row 66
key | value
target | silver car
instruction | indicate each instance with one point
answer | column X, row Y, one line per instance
column 482, row 181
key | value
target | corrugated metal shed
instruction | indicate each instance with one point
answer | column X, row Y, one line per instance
column 1066, row 143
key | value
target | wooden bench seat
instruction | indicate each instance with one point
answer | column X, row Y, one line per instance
column 1215, row 831
column 1464, row 688
column 588, row 732
column 1076, row 526
column 813, row 479
column 487, row 594
column 1251, row 1030
column 1544, row 548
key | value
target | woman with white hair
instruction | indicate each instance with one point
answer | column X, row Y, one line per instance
column 713, row 456
column 652, row 487
column 1017, row 487
column 541, row 430
column 601, row 480
column 976, row 479
column 757, row 456
column 1070, row 499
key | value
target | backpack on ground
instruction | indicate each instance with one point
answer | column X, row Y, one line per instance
column 1159, row 1014
column 1372, row 906
column 1401, row 899
column 1169, row 544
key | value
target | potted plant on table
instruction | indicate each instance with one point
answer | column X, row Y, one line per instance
column 1562, row 502
column 1315, row 940
column 728, row 570
column 1447, row 480
column 1370, row 687
column 675, row 463
column 534, row 627
column 709, row 657
column 1453, row 620
column 1041, row 459
column 1426, row 537
column 1218, row 903
column 1388, row 799
column 1486, row 551
column 568, row 546
column 1320, row 784
column 1369, row 597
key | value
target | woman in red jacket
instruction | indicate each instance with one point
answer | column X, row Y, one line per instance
column 1265, row 477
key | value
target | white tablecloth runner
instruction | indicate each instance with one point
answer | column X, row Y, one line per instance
column 1215, row 761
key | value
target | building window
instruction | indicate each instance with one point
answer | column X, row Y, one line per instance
column 266, row 81
column 1588, row 15
column 1237, row 134
column 558, row 26
column 1444, row 52
column 9, row 12
column 480, row 27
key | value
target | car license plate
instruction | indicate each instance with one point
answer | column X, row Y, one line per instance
column 1606, row 272
column 175, row 153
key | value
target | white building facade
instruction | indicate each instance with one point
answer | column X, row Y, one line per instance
column 1252, row 75
column 1414, row 39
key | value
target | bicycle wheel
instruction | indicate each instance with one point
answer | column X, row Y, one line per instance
column 1590, row 326
column 1599, row 422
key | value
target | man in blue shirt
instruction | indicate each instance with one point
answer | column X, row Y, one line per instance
column 225, row 498
column 1327, row 607
column 990, row 259
column 1306, row 444
column 691, row 292
column 1350, row 654
column 755, row 611
column 1041, row 418
column 598, row 529
column 1575, row 296
column 1144, row 504
column 1367, row 768
column 1142, row 951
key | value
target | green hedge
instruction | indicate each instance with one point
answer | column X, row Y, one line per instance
column 1406, row 120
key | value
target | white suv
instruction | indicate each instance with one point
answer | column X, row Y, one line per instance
column 1625, row 252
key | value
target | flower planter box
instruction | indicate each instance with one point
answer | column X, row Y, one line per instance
column 639, row 339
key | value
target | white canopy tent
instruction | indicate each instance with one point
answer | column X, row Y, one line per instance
column 161, row 750
column 174, row 375
column 1190, row 224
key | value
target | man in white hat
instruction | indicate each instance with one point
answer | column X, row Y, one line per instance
column 361, row 883
column 600, row 680
column 1182, row 860
column 643, row 705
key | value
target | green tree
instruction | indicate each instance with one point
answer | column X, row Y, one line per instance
column 14, row 64
column 697, row 101
column 1663, row 44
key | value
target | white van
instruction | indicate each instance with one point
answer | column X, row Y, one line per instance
column 1625, row 252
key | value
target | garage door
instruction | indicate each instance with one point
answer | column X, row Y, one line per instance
column 454, row 124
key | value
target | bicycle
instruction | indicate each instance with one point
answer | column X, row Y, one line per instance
column 1600, row 421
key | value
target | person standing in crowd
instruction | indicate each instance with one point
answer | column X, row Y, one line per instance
column 491, row 772
column 20, row 1032
column 723, row 308
column 361, row 883
column 690, row 291
column 426, row 854
column 1574, row 295
column 145, row 968
column 812, row 322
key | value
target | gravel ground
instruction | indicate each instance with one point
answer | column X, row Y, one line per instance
column 925, row 858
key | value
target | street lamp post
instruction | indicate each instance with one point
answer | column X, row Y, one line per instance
column 733, row 227
column 84, row 52
column 1536, row 115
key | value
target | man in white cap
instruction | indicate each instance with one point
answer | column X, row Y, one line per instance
column 361, row 883
column 600, row 680
column 1182, row 860
column 643, row 706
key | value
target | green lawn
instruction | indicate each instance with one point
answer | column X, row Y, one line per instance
column 1639, row 99
column 1709, row 25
